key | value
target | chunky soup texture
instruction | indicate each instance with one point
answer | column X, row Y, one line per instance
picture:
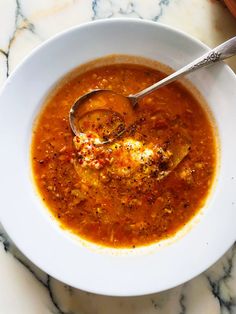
column 139, row 189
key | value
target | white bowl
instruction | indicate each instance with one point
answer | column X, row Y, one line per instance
column 30, row 225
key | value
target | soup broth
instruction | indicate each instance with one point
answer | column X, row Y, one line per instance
column 139, row 189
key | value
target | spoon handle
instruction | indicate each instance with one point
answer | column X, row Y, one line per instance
column 221, row 52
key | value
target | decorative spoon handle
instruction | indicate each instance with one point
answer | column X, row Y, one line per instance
column 221, row 52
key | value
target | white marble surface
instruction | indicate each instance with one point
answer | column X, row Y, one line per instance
column 24, row 289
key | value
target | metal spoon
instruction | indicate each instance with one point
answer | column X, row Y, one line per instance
column 84, row 104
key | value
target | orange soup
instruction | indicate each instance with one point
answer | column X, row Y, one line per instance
column 139, row 189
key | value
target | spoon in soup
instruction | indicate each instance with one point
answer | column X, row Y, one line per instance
column 109, row 114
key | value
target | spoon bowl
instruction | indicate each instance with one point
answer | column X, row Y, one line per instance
column 103, row 112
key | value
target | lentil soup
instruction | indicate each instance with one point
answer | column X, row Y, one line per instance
column 143, row 187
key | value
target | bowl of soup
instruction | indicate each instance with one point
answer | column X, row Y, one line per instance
column 145, row 212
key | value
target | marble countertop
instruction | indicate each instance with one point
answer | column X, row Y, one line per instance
column 24, row 289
